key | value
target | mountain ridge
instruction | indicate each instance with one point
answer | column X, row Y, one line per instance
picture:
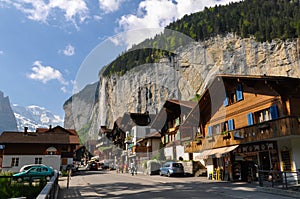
column 34, row 117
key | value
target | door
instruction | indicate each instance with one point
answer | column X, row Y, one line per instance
column 264, row 160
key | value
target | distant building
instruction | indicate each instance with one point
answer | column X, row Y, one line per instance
column 54, row 147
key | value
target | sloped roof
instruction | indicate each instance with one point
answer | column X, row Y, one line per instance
column 130, row 120
column 57, row 135
column 172, row 107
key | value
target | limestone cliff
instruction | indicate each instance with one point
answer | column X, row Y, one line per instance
column 7, row 118
column 146, row 87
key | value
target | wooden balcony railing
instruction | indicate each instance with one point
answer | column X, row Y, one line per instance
column 272, row 129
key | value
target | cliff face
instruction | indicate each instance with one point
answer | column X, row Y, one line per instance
column 145, row 88
column 7, row 118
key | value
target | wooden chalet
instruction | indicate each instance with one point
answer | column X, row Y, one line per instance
column 119, row 137
column 245, row 123
column 168, row 121
column 53, row 147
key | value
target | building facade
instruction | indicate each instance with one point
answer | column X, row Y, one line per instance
column 243, row 124
column 54, row 147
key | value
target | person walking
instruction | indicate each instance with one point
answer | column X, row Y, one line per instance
column 132, row 168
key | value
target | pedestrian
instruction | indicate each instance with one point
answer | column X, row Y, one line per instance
column 132, row 168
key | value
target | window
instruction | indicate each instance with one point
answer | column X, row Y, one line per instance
column 286, row 160
column 15, row 162
column 38, row 161
column 267, row 114
column 234, row 96
column 216, row 129
column 225, row 126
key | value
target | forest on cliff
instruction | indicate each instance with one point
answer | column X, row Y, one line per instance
column 265, row 20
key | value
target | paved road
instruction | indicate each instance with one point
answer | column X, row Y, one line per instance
column 97, row 184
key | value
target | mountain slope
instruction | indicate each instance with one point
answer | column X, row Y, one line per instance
column 34, row 117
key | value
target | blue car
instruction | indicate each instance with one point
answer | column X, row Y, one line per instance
column 172, row 169
column 34, row 172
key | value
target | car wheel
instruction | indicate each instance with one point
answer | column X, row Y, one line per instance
column 168, row 174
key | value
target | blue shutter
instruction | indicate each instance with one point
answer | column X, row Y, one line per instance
column 239, row 92
column 209, row 131
column 250, row 118
column 230, row 125
column 274, row 112
column 226, row 101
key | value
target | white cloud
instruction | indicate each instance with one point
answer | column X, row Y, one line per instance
column 41, row 10
column 1, row 52
column 69, row 50
column 64, row 89
column 97, row 17
column 159, row 13
column 110, row 5
column 45, row 73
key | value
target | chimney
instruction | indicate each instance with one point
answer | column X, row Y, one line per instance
column 25, row 130
column 50, row 127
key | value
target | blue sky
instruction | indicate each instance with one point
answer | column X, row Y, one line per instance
column 48, row 46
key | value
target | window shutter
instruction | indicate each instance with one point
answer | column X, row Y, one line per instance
column 225, row 101
column 239, row 92
column 178, row 135
column 167, row 138
column 209, row 131
column 230, row 125
column 274, row 112
column 250, row 118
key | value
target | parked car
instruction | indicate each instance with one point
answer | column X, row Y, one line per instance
column 172, row 169
column 35, row 172
column 28, row 166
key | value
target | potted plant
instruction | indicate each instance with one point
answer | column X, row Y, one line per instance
column 225, row 133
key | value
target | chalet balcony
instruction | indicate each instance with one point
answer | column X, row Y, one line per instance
column 281, row 127
column 286, row 126
column 193, row 146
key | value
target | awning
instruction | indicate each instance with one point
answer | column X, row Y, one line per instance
column 216, row 152
column 202, row 155
column 220, row 151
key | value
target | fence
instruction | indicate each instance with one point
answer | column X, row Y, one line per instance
column 50, row 191
column 279, row 179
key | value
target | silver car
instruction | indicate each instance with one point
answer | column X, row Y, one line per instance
column 172, row 169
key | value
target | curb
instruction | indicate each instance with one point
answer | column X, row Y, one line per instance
column 282, row 192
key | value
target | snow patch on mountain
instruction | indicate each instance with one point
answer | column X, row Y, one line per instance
column 35, row 117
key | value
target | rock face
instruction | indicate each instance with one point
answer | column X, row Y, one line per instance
column 7, row 118
column 146, row 87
